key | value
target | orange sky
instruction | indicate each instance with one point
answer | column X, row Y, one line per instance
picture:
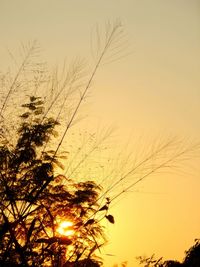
column 154, row 91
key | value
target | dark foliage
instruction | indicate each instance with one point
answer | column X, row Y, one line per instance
column 33, row 200
column 192, row 259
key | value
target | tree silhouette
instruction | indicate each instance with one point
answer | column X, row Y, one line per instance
column 34, row 200
column 48, row 218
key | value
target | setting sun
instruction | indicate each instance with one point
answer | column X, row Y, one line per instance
column 65, row 228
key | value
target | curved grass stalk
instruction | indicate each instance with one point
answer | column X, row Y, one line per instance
column 25, row 62
column 165, row 164
column 94, row 148
column 109, row 39
column 153, row 169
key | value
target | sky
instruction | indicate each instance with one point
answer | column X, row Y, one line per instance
column 152, row 91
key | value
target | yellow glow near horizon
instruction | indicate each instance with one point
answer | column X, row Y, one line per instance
column 65, row 228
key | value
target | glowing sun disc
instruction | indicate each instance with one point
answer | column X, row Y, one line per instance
column 64, row 228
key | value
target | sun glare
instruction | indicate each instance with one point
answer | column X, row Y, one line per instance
column 65, row 228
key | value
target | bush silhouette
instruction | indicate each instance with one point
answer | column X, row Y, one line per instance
column 192, row 259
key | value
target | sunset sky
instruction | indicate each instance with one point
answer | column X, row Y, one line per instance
column 151, row 92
